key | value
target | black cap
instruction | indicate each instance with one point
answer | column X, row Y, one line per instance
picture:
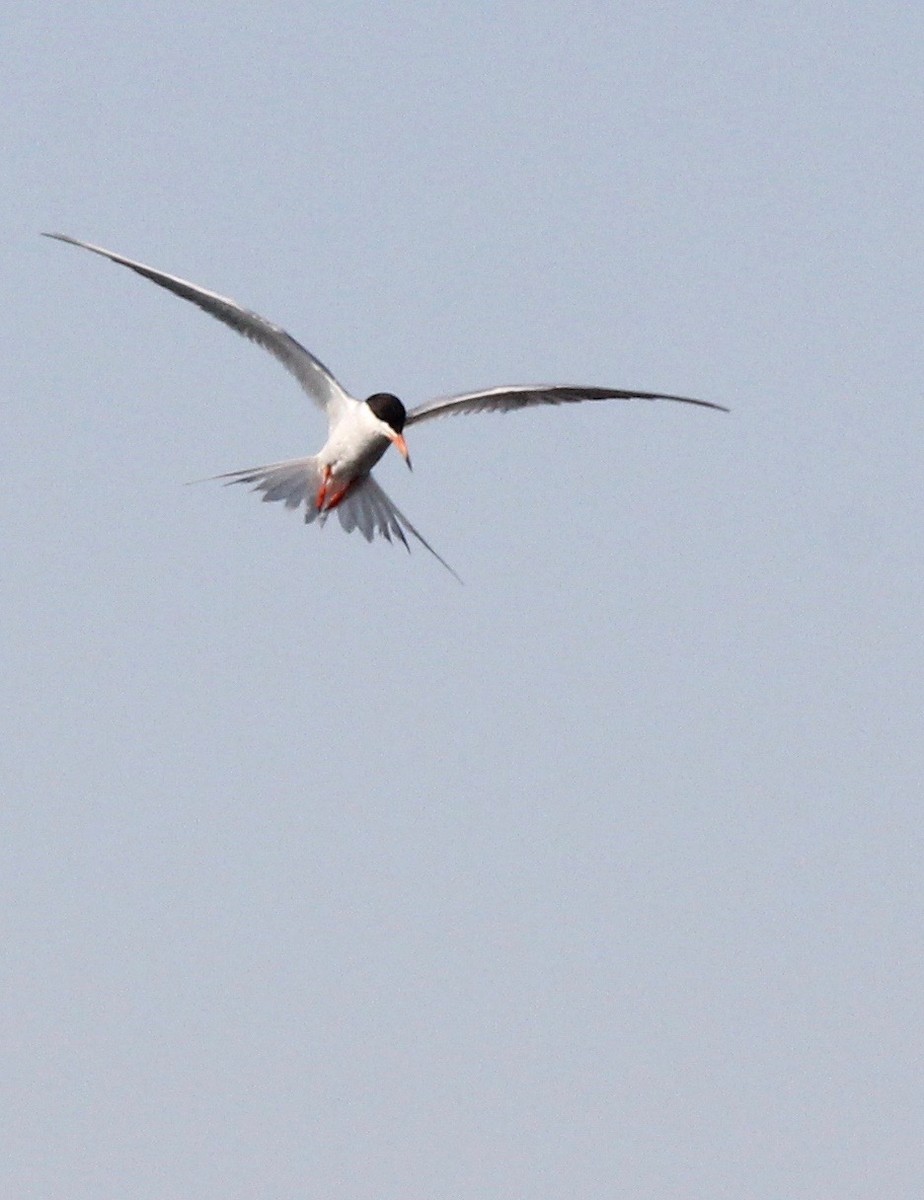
column 388, row 408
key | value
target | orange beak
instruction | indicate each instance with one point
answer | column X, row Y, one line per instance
column 401, row 445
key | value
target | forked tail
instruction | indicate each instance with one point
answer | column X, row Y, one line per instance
column 364, row 506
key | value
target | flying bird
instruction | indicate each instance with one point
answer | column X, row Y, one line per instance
column 358, row 431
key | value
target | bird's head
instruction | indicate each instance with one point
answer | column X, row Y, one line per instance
column 392, row 413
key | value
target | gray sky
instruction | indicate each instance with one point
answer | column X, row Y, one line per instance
column 600, row 876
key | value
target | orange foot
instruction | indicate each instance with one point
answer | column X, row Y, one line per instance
column 338, row 496
column 325, row 503
column 322, row 490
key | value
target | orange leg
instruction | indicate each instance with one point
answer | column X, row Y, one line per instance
column 324, row 502
column 322, row 490
column 338, row 496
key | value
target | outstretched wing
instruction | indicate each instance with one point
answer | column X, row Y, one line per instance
column 314, row 377
column 365, row 506
column 508, row 399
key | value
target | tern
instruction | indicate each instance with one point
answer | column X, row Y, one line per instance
column 359, row 432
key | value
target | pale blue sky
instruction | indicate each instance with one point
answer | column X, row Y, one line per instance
column 597, row 877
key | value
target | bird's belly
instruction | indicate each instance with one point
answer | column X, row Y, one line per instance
column 348, row 460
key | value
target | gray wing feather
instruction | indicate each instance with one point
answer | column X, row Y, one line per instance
column 508, row 399
column 313, row 376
